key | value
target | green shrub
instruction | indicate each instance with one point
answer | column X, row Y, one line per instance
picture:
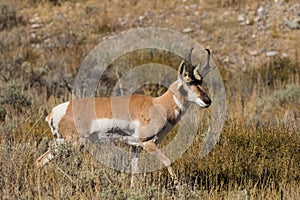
column 15, row 96
column 8, row 17
column 2, row 113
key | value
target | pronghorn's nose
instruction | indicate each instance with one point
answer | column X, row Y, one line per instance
column 207, row 101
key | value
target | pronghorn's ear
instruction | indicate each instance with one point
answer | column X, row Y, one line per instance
column 184, row 71
column 181, row 77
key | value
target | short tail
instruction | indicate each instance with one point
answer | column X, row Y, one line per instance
column 48, row 118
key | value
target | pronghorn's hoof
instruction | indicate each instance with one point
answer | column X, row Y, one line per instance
column 174, row 179
column 174, row 184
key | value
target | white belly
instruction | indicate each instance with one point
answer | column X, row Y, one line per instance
column 123, row 130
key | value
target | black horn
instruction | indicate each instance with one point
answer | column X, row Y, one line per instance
column 190, row 55
column 206, row 68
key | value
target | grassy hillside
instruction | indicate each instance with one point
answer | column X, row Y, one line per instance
column 43, row 42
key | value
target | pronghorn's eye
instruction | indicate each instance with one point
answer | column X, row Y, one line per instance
column 187, row 79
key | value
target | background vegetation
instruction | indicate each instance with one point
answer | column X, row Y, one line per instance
column 255, row 46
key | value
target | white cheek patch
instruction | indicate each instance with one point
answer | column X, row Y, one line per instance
column 194, row 98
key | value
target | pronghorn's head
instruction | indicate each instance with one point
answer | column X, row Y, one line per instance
column 190, row 79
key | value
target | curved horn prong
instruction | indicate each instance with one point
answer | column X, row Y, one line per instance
column 207, row 60
column 206, row 68
column 190, row 55
column 208, row 51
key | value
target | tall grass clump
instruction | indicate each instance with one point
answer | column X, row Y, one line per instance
column 258, row 154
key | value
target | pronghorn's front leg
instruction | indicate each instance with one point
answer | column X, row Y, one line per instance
column 134, row 167
column 151, row 148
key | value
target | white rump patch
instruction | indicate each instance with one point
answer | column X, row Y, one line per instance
column 57, row 114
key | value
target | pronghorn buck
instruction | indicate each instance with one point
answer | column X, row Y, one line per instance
column 144, row 122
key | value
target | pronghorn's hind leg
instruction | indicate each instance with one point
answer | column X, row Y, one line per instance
column 44, row 159
column 49, row 155
column 151, row 148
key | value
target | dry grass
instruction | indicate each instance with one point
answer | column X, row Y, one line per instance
column 258, row 156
